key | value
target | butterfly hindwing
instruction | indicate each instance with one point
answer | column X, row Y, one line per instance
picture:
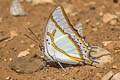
column 58, row 45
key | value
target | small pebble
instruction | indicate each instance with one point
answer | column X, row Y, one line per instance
column 87, row 21
column 3, row 45
column 16, row 9
column 28, row 23
column 10, row 59
column 98, row 75
column 101, row 14
column 22, row 41
column 108, row 76
column 116, row 76
column 29, row 1
column 36, row 2
column 13, row 34
column 113, row 22
column 102, row 56
column 114, row 67
column 97, row 24
column 115, row 1
column 63, row 75
column 23, row 53
column 118, row 14
column 27, row 64
column 5, row 60
column 21, row 0
column 74, row 14
column 92, row 9
column 113, row 45
column 32, row 45
column 108, row 17
column 8, row 78
column 119, row 37
column 90, row 3
column 95, row 29
column 105, row 43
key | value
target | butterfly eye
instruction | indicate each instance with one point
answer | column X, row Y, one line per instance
column 46, row 39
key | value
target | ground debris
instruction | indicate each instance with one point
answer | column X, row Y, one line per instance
column 113, row 45
column 108, row 17
column 108, row 76
column 116, row 76
column 115, row 1
column 8, row 78
column 29, row 1
column 36, row 2
column 16, row 8
column 4, row 39
column 105, row 43
column 24, row 53
column 102, row 56
column 27, row 64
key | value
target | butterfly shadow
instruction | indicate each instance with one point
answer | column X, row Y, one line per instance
column 56, row 65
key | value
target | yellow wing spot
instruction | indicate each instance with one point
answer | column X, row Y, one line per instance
column 52, row 34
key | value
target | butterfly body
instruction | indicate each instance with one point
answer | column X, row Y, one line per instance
column 62, row 43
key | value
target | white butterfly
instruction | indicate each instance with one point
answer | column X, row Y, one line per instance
column 62, row 43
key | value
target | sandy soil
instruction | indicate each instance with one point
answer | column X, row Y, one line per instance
column 36, row 18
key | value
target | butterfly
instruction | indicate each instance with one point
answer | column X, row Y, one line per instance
column 62, row 43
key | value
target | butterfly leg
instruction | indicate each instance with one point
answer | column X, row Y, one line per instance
column 92, row 50
column 61, row 66
column 44, row 67
column 93, row 47
column 42, row 48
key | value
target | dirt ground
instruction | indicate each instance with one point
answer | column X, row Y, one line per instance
column 36, row 18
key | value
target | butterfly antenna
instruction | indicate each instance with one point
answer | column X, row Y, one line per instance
column 59, row 63
column 61, row 66
column 35, row 36
column 31, row 38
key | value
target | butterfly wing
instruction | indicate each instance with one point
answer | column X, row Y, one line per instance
column 62, row 43
column 79, row 29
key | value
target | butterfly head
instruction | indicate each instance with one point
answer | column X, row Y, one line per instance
column 42, row 48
